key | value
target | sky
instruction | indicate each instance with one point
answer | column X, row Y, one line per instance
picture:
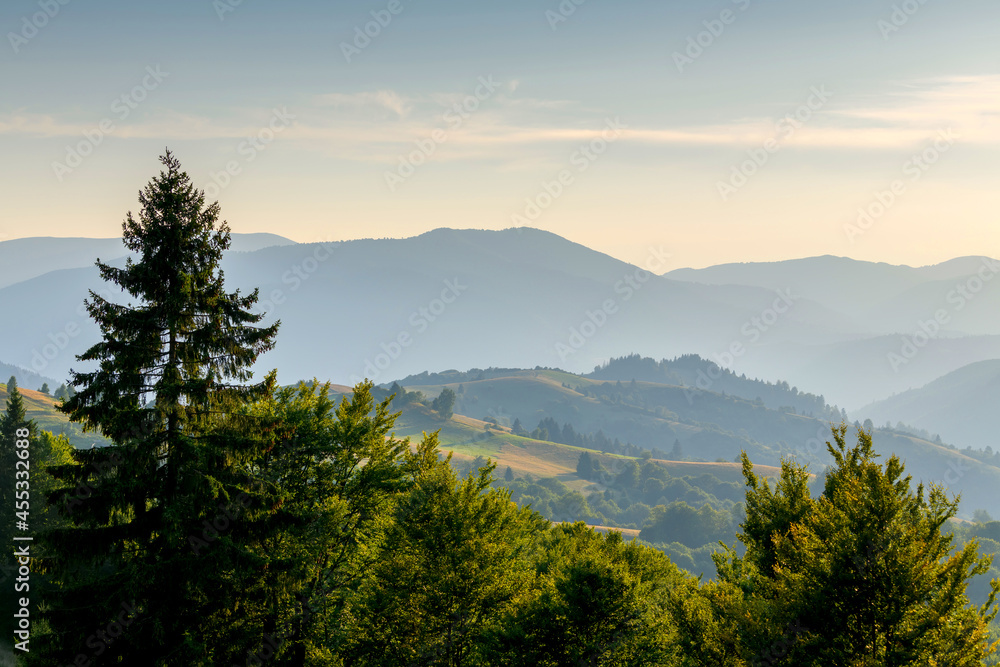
column 721, row 130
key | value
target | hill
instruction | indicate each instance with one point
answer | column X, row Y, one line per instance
column 511, row 298
column 687, row 431
column 521, row 298
column 41, row 408
column 633, row 416
column 958, row 406
column 692, row 371
column 26, row 378
column 649, row 445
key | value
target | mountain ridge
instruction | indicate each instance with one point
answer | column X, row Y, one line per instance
column 958, row 406
column 521, row 297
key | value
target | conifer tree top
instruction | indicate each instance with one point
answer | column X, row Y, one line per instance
column 16, row 413
column 170, row 354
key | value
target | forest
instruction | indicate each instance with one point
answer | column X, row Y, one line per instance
column 239, row 522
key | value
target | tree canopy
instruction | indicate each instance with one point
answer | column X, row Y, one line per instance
column 862, row 575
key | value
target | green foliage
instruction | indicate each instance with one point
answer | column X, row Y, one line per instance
column 676, row 452
column 869, row 553
column 244, row 524
column 770, row 514
column 48, row 452
column 699, row 561
column 600, row 601
column 693, row 371
column 13, row 419
column 627, row 504
column 444, row 404
column 64, row 392
column 182, row 463
column 402, row 398
column 13, row 425
column 26, row 483
column 628, row 479
column 336, row 473
column 549, row 429
column 585, row 466
column 456, row 562
column 679, row 522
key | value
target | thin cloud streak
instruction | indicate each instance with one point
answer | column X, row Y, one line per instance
column 970, row 105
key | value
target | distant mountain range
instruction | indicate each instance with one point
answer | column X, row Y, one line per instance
column 23, row 259
column 958, row 406
column 388, row 308
column 879, row 298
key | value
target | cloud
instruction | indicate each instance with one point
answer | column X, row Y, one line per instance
column 934, row 101
column 346, row 126
column 163, row 124
column 383, row 99
column 898, row 119
column 37, row 125
column 970, row 104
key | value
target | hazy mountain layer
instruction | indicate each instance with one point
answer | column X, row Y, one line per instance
column 959, row 406
column 852, row 331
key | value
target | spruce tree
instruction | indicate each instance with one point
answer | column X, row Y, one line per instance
column 600, row 601
column 167, row 389
column 12, row 420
